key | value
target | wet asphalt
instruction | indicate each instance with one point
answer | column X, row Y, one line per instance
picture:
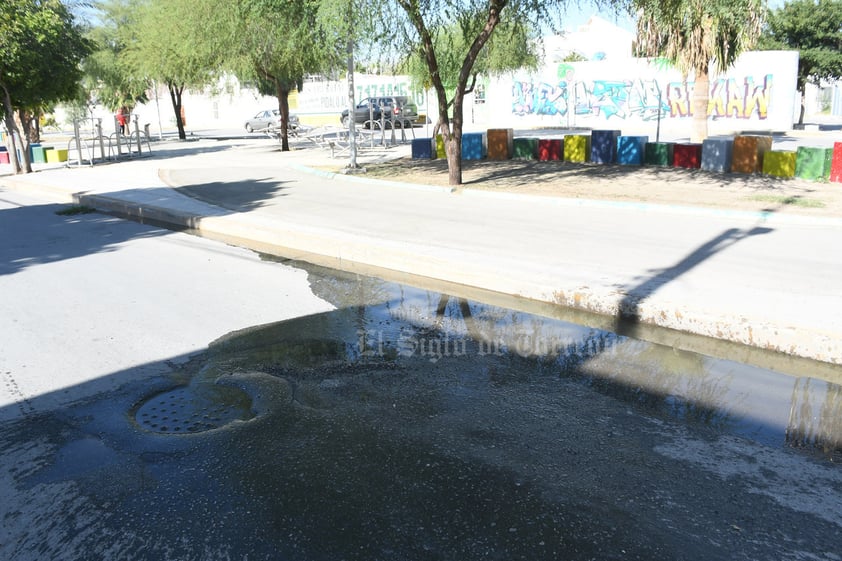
column 411, row 425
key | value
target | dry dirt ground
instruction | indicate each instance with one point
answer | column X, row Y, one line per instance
column 651, row 184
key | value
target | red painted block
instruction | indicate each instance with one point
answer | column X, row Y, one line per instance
column 687, row 155
column 549, row 149
column 836, row 163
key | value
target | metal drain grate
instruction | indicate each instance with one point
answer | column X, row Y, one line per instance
column 186, row 410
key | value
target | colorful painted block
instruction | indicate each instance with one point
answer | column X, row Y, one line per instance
column 422, row 149
column 716, row 154
column 780, row 163
column 440, row 151
column 687, row 155
column 747, row 156
column 56, row 155
column 577, row 147
column 658, row 153
column 549, row 149
column 630, row 149
column 500, row 144
column 525, row 148
column 604, row 146
column 39, row 153
column 813, row 163
column 836, row 163
column 4, row 157
column 472, row 148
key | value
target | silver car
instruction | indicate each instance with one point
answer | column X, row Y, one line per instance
column 269, row 119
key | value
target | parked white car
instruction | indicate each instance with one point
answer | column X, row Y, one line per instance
column 269, row 119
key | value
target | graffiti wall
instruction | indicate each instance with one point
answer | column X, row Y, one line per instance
column 758, row 91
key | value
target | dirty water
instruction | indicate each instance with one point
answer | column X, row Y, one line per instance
column 409, row 424
column 800, row 407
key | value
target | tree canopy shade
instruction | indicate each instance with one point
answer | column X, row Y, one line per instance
column 176, row 43
column 109, row 75
column 695, row 34
column 274, row 45
column 41, row 48
column 451, row 36
column 814, row 29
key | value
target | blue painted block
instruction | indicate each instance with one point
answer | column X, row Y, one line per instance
column 717, row 154
column 472, row 148
column 422, row 149
column 631, row 149
column 604, row 146
column 33, row 153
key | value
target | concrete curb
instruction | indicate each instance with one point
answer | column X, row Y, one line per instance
column 506, row 275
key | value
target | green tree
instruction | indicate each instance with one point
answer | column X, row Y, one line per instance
column 275, row 44
column 42, row 47
column 814, row 29
column 429, row 25
column 109, row 76
column 177, row 44
column 695, row 35
column 510, row 48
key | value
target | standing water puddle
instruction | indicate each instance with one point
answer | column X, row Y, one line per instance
column 377, row 321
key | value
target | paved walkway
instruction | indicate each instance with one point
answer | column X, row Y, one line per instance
column 767, row 281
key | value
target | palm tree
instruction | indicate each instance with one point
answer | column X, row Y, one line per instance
column 695, row 35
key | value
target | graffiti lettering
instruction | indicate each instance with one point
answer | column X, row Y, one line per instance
column 727, row 99
column 641, row 99
column 539, row 99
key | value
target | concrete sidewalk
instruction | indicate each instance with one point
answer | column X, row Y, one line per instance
column 767, row 281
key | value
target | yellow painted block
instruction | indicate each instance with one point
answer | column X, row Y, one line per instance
column 56, row 155
column 577, row 148
column 440, row 153
column 780, row 163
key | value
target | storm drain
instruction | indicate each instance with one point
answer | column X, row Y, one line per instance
column 187, row 410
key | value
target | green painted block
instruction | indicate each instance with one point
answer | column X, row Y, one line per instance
column 658, row 153
column 526, row 148
column 780, row 163
column 440, row 152
column 577, row 147
column 813, row 163
column 39, row 154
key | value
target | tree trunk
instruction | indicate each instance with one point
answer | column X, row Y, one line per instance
column 453, row 149
column 12, row 130
column 803, row 108
column 701, row 98
column 175, row 97
column 453, row 141
column 283, row 107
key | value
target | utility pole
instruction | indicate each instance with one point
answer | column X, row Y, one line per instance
column 352, row 133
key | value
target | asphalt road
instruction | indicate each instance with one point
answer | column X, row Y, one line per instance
column 90, row 301
column 168, row 397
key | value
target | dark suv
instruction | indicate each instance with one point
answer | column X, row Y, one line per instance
column 368, row 112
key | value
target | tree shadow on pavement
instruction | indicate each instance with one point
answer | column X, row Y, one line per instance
column 628, row 314
column 35, row 235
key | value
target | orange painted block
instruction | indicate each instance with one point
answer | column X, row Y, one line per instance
column 836, row 163
column 748, row 151
column 500, row 144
